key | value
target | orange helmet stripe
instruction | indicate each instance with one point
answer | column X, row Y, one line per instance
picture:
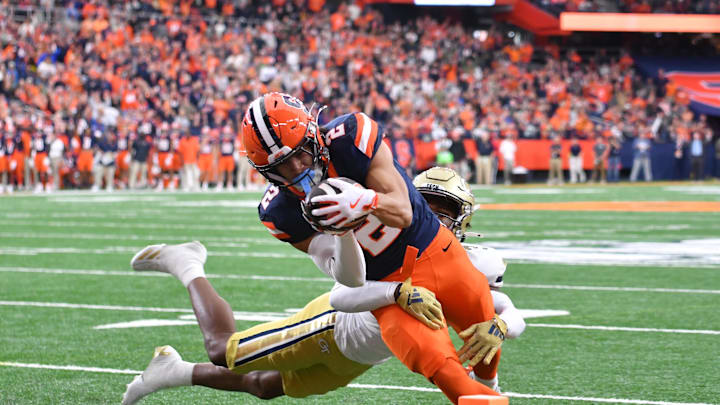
column 258, row 117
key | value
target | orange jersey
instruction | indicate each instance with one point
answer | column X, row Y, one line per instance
column 226, row 164
column 41, row 162
column 85, row 160
column 205, row 162
column 189, row 148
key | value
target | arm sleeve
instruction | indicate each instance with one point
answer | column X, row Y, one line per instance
column 507, row 312
column 340, row 257
column 371, row 296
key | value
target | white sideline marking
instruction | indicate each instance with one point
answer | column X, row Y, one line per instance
column 94, row 272
column 687, row 253
column 547, row 191
column 273, row 316
column 144, row 323
column 371, row 386
column 181, row 310
column 598, row 288
column 158, row 238
column 625, row 329
column 125, row 225
column 694, row 189
column 69, row 368
column 151, row 217
column 28, row 251
column 603, row 400
column 91, row 306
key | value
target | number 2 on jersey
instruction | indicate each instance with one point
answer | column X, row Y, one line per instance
column 376, row 237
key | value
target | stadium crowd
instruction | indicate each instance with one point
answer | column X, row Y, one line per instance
column 632, row 6
column 143, row 93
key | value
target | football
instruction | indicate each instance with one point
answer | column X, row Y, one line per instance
column 325, row 188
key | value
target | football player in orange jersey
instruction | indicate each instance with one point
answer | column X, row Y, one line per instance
column 206, row 157
column 41, row 165
column 286, row 145
column 4, row 166
column 123, row 158
column 163, row 147
column 226, row 161
column 242, row 175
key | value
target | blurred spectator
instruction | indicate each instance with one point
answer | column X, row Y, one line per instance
column 56, row 154
column 613, row 160
column 717, row 158
column 507, row 151
column 697, row 156
column 105, row 162
column 600, row 150
column 577, row 173
column 641, row 158
column 139, row 151
column 678, row 159
column 403, row 150
column 4, row 167
column 555, row 175
column 457, row 148
column 484, row 160
column 444, row 156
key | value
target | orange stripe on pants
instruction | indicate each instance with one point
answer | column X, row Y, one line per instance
column 463, row 291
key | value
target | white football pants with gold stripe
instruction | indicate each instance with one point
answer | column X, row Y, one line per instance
column 302, row 348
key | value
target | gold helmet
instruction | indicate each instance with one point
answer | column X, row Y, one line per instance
column 443, row 187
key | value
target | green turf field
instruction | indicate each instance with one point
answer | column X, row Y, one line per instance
column 642, row 291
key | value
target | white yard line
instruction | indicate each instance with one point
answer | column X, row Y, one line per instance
column 93, row 272
column 598, row 288
column 125, row 225
column 371, row 386
column 158, row 238
column 187, row 310
column 97, row 272
column 625, row 329
column 30, row 251
column 91, row 306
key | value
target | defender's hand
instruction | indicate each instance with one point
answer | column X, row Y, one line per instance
column 420, row 303
column 482, row 341
column 353, row 202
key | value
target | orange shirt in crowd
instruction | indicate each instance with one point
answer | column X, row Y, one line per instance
column 316, row 5
column 189, row 147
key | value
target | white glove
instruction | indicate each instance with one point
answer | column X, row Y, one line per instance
column 353, row 202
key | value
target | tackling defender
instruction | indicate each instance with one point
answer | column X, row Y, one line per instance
column 328, row 348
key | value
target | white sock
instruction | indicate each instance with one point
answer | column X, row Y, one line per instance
column 190, row 273
column 491, row 383
column 182, row 373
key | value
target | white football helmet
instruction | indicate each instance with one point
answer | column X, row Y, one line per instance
column 488, row 261
column 445, row 185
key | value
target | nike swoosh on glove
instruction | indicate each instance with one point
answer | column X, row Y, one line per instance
column 353, row 202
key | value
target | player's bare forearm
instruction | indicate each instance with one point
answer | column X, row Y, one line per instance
column 393, row 207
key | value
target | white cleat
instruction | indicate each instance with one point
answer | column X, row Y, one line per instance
column 184, row 261
column 166, row 370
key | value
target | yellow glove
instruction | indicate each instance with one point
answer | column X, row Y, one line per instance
column 482, row 340
column 420, row 303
